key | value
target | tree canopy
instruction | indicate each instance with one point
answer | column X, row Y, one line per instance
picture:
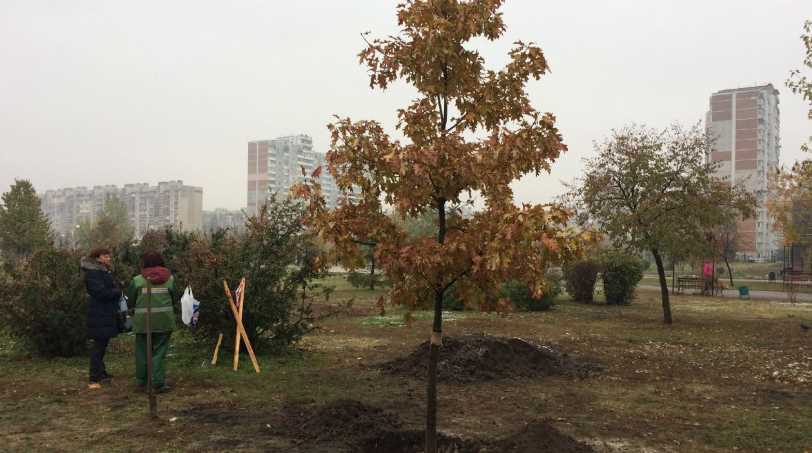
column 24, row 228
column 654, row 190
column 791, row 201
column 799, row 82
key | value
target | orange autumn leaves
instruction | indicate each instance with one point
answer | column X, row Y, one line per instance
column 470, row 131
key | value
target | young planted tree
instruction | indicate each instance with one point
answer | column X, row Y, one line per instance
column 24, row 228
column 470, row 129
column 728, row 245
column 653, row 190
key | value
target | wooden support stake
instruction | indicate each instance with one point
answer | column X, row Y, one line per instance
column 240, row 299
column 216, row 350
column 240, row 328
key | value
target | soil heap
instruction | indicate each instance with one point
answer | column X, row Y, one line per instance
column 477, row 358
column 344, row 421
column 352, row 426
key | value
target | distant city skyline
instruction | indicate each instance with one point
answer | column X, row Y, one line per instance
column 98, row 92
column 149, row 207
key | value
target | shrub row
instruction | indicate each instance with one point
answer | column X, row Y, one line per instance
column 518, row 293
column 43, row 299
column 620, row 272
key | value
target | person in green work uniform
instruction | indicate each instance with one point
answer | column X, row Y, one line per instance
column 156, row 276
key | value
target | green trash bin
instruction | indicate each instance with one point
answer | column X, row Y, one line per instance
column 744, row 292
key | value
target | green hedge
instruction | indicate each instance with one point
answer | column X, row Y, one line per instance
column 43, row 303
column 621, row 273
column 580, row 277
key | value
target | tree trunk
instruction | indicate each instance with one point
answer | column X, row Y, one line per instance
column 435, row 343
column 663, row 286
column 673, row 276
column 434, row 355
column 372, row 274
column 729, row 272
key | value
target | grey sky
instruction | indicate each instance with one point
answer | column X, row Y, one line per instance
column 113, row 92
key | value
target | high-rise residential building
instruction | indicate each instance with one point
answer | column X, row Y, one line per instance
column 148, row 207
column 274, row 166
column 222, row 219
column 744, row 125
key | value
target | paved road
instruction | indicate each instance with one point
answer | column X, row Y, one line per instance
column 760, row 295
column 758, row 280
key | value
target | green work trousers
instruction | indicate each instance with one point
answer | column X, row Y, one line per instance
column 160, row 346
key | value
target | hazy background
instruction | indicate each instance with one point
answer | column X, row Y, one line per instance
column 113, row 92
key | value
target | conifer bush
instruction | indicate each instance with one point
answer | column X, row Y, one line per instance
column 43, row 303
column 275, row 255
column 621, row 273
column 580, row 277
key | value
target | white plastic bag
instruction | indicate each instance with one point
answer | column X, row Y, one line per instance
column 189, row 307
column 124, row 319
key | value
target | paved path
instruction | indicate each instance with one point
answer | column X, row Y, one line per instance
column 760, row 295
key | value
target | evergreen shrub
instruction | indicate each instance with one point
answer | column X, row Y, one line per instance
column 621, row 273
column 43, row 303
column 580, row 278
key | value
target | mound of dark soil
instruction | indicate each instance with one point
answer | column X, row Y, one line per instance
column 414, row 442
column 540, row 438
column 534, row 438
column 352, row 426
column 476, row 358
column 340, row 420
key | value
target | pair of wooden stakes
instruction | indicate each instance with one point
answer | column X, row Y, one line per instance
column 236, row 310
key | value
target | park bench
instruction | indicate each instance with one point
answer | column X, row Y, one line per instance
column 796, row 278
column 690, row 282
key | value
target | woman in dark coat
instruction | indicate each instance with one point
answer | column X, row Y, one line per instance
column 102, row 310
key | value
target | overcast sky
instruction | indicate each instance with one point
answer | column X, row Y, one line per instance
column 114, row 92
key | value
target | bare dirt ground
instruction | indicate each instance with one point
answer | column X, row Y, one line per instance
column 729, row 375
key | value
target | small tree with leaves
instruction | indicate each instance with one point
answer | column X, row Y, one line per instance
column 653, row 190
column 799, row 82
column 791, row 201
column 469, row 129
column 727, row 245
column 24, row 229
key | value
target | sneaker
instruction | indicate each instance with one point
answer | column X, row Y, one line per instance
column 163, row 388
column 94, row 386
column 106, row 377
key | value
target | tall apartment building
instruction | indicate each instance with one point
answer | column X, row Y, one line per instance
column 148, row 207
column 223, row 218
column 744, row 124
column 276, row 165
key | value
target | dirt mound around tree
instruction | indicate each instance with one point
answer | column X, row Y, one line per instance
column 414, row 442
column 352, row 426
column 540, row 437
column 343, row 421
column 477, row 358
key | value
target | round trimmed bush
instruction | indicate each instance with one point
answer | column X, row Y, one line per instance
column 580, row 277
column 621, row 274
